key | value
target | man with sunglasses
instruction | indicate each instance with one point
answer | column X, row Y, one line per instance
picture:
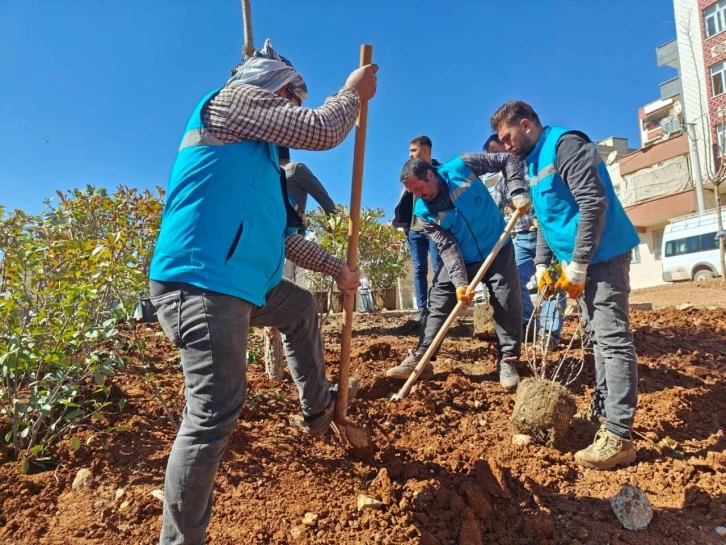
column 217, row 266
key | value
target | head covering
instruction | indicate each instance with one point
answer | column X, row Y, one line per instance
column 271, row 71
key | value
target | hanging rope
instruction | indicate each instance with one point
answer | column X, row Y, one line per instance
column 248, row 49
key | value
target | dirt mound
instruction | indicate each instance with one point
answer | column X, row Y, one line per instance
column 446, row 470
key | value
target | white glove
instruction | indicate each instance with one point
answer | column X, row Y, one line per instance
column 576, row 272
column 539, row 271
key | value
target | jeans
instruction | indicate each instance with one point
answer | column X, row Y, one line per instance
column 604, row 307
column 525, row 247
column 505, row 297
column 420, row 247
column 551, row 311
column 210, row 330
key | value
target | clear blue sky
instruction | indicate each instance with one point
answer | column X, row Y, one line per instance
column 99, row 91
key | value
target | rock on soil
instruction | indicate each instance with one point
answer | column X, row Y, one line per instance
column 632, row 508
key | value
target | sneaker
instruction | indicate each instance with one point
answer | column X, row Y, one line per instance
column 316, row 424
column 404, row 369
column 508, row 374
column 607, row 451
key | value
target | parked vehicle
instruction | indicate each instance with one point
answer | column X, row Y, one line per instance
column 691, row 247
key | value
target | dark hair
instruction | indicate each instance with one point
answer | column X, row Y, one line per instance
column 422, row 141
column 513, row 112
column 417, row 167
column 494, row 138
column 284, row 153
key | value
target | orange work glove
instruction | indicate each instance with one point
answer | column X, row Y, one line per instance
column 545, row 280
column 572, row 279
column 464, row 296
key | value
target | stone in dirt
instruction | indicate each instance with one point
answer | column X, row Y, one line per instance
column 521, row 439
column 543, row 409
column 310, row 519
column 297, row 532
column 366, row 502
column 83, row 479
column 632, row 508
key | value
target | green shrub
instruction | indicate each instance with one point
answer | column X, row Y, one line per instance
column 66, row 277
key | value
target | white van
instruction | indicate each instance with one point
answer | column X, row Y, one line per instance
column 691, row 248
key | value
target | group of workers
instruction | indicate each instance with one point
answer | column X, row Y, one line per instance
column 229, row 224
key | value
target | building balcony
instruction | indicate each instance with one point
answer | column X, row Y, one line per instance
column 667, row 54
column 671, row 88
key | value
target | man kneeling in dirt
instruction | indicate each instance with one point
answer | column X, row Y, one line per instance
column 582, row 221
column 459, row 215
column 217, row 265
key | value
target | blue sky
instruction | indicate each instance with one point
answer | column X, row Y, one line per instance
column 99, row 91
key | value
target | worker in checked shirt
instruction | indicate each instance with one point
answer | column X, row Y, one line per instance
column 217, row 265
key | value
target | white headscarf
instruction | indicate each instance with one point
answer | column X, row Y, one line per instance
column 271, row 71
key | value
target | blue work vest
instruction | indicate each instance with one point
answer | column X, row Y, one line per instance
column 475, row 221
column 558, row 213
column 224, row 224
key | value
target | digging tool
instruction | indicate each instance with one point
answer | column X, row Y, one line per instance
column 248, row 49
column 406, row 388
column 349, row 433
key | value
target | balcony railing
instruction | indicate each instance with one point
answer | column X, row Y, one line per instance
column 660, row 180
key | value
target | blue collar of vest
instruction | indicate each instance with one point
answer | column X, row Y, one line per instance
column 532, row 156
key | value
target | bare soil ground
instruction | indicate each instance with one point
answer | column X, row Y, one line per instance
column 709, row 294
column 446, row 469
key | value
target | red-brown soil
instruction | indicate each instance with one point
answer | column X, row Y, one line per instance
column 445, row 469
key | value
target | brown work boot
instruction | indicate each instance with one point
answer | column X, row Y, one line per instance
column 607, row 451
column 404, row 369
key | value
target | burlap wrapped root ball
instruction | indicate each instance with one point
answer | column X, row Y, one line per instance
column 543, row 410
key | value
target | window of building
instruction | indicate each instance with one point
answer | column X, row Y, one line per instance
column 635, row 256
column 720, row 138
column 717, row 78
column 657, row 243
column 714, row 18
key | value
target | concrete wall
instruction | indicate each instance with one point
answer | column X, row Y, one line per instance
column 648, row 272
column 689, row 35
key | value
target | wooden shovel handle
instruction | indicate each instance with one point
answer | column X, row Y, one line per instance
column 341, row 406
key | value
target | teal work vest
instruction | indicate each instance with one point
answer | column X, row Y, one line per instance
column 224, row 223
column 557, row 211
column 475, row 221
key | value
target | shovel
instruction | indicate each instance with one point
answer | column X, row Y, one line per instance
column 423, row 362
column 351, row 434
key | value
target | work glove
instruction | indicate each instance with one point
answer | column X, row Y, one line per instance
column 522, row 202
column 572, row 279
column 547, row 278
column 466, row 297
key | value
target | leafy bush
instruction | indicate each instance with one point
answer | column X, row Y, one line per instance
column 381, row 248
column 66, row 277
